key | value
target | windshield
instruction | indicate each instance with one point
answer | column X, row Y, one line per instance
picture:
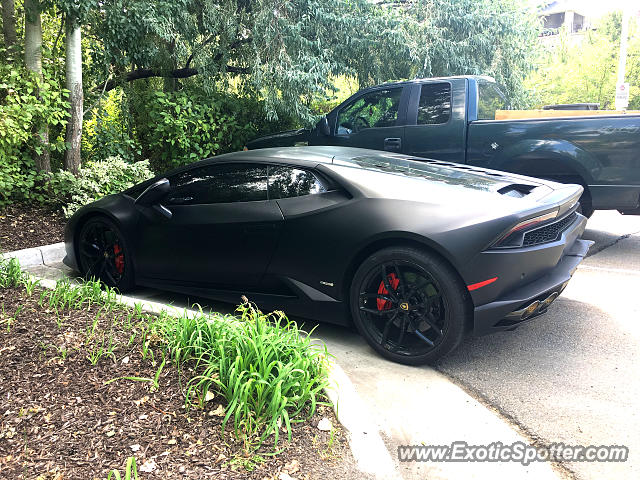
column 490, row 99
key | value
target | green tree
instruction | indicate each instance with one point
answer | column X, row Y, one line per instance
column 76, row 12
column 287, row 52
column 33, row 62
column 481, row 37
column 9, row 23
column 583, row 69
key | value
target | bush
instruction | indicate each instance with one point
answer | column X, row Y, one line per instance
column 182, row 127
column 108, row 132
column 20, row 182
column 95, row 180
column 178, row 128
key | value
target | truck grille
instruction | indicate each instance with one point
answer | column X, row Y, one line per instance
column 548, row 233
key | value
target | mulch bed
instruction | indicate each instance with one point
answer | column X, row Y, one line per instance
column 59, row 420
column 26, row 226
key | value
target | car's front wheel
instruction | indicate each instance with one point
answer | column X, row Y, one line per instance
column 103, row 253
column 409, row 305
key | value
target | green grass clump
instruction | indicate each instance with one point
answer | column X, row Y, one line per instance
column 267, row 369
column 10, row 273
column 130, row 472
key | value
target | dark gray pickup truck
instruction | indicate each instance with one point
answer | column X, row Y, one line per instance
column 454, row 119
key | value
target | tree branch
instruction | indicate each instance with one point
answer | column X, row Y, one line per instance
column 206, row 42
column 177, row 73
column 55, row 43
column 218, row 57
column 99, row 97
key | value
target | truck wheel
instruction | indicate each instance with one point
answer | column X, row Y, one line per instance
column 585, row 207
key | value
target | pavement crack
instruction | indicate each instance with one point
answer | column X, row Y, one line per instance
column 610, row 244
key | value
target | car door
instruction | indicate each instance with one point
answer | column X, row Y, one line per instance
column 374, row 119
column 222, row 232
column 308, row 200
column 436, row 128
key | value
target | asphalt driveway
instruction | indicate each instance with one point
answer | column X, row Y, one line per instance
column 573, row 375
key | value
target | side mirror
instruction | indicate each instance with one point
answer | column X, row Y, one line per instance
column 152, row 196
column 323, row 127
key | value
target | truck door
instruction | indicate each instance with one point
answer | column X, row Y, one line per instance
column 436, row 121
column 373, row 120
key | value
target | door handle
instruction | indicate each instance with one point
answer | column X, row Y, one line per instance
column 393, row 144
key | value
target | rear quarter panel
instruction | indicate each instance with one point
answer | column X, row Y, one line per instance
column 321, row 247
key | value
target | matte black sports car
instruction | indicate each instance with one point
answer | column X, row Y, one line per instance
column 416, row 253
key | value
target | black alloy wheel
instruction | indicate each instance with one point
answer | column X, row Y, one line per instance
column 409, row 305
column 102, row 254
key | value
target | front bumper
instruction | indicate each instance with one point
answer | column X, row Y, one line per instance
column 531, row 300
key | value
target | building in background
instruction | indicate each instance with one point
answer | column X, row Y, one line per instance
column 567, row 14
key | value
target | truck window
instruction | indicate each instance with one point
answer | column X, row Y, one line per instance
column 373, row 110
column 490, row 99
column 435, row 104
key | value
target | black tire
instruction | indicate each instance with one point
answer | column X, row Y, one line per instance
column 103, row 253
column 585, row 207
column 436, row 311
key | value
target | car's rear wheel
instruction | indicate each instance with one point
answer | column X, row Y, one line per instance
column 103, row 253
column 409, row 305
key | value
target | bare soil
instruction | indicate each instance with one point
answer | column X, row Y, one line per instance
column 26, row 226
column 60, row 419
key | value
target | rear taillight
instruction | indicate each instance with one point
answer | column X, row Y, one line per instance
column 513, row 238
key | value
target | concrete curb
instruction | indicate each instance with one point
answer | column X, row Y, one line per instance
column 366, row 444
column 31, row 257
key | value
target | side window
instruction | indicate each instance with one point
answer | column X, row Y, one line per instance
column 435, row 104
column 285, row 182
column 490, row 99
column 373, row 110
column 225, row 183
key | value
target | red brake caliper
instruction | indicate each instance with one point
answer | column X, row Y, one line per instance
column 119, row 258
column 393, row 283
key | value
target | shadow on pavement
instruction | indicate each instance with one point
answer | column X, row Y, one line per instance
column 566, row 376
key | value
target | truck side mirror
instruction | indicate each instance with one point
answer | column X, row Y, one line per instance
column 323, row 127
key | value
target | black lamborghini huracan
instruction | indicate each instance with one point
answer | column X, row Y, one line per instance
column 416, row 253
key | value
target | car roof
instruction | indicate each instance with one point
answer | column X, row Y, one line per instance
column 310, row 156
column 336, row 157
column 371, row 173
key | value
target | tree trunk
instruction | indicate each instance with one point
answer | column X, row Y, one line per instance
column 171, row 83
column 33, row 62
column 9, row 23
column 76, row 99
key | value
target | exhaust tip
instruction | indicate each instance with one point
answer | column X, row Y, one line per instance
column 549, row 300
column 530, row 310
